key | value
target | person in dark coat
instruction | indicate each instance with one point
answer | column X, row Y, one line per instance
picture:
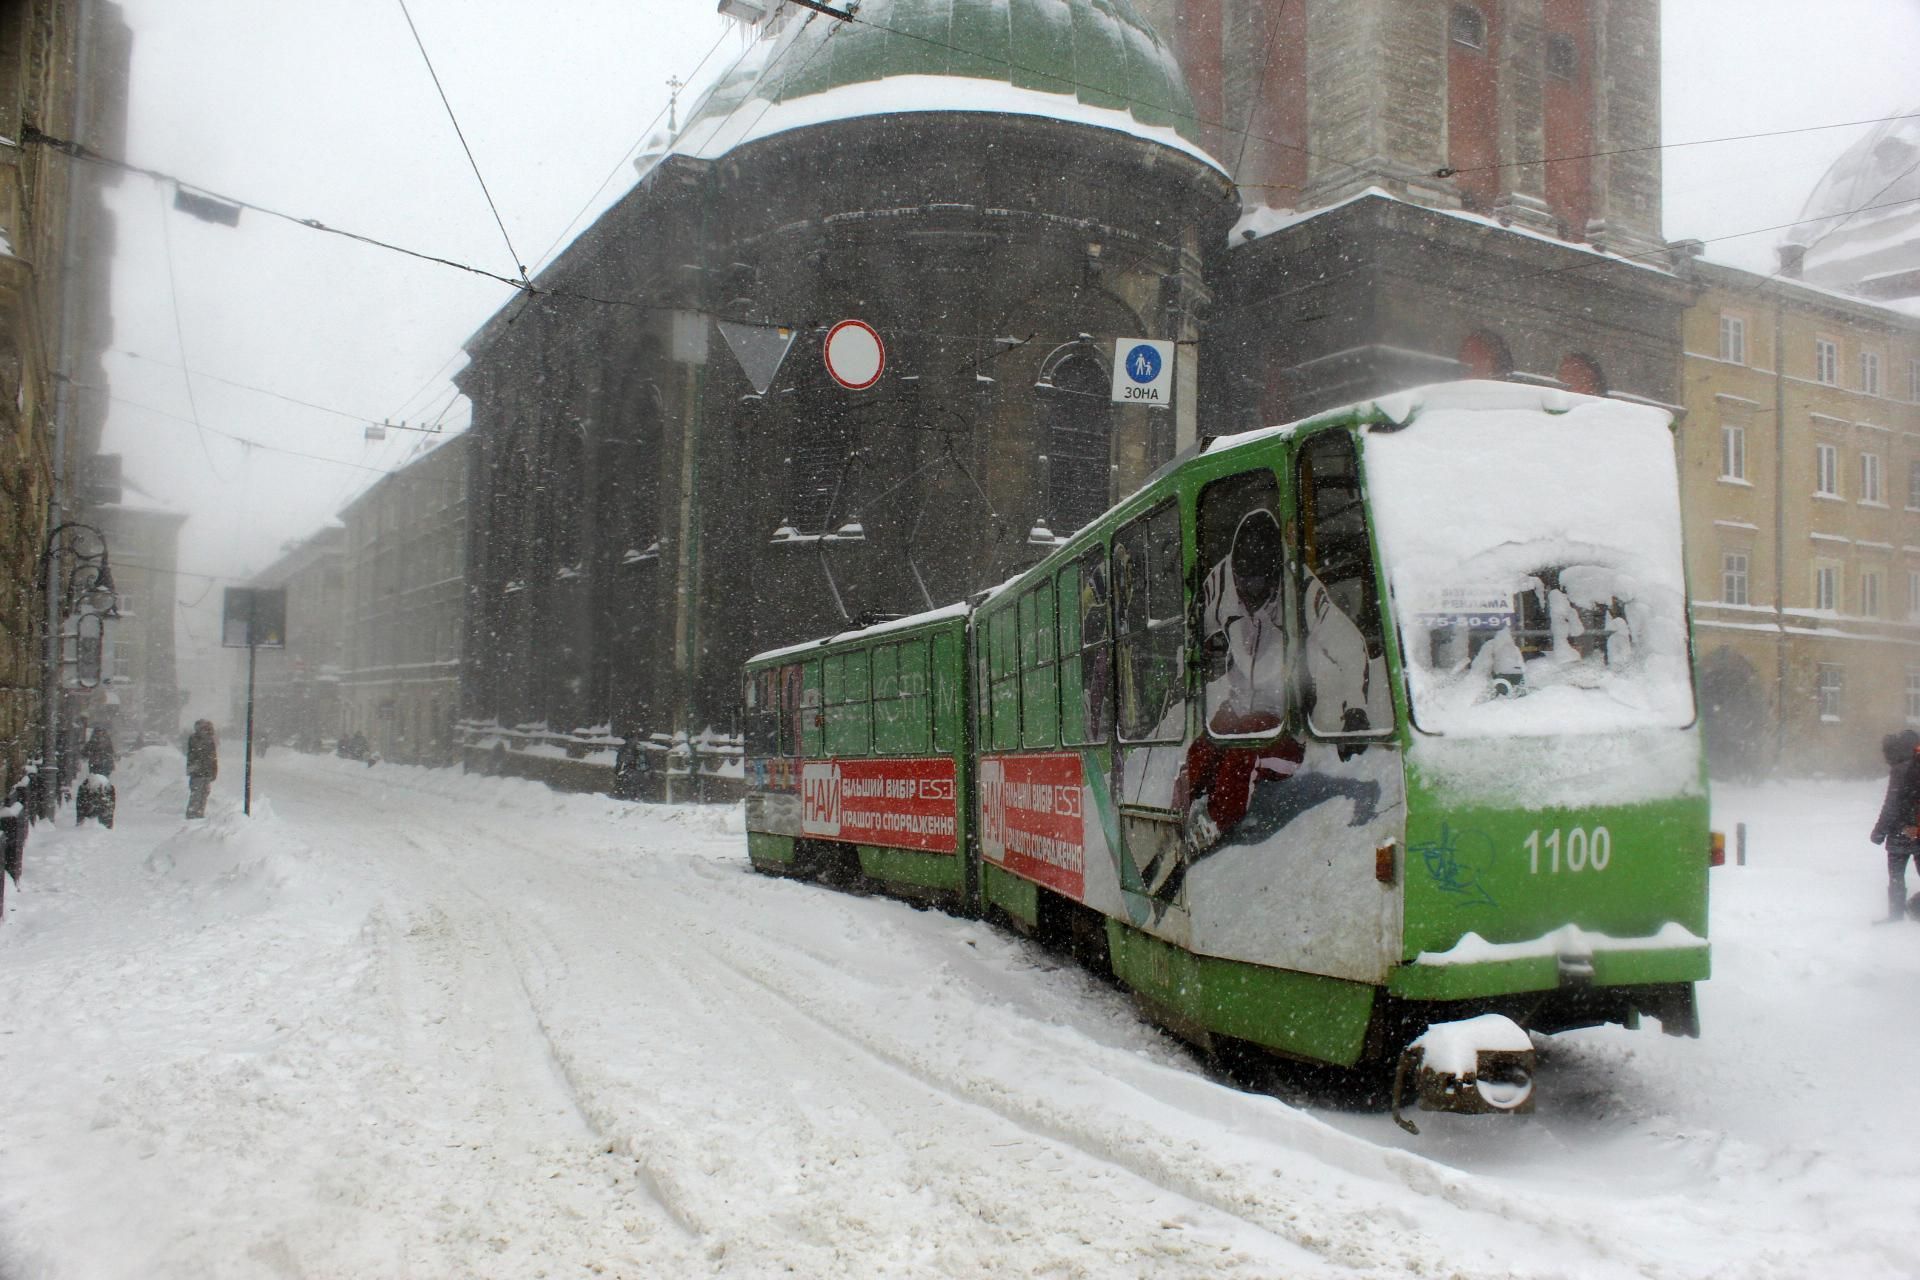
column 1898, row 814
column 95, row 797
column 203, row 766
column 100, row 753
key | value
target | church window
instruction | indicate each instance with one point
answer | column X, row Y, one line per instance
column 1468, row 27
column 1076, row 418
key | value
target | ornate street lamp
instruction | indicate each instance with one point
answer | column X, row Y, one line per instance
column 79, row 582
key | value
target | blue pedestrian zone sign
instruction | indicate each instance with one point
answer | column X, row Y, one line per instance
column 1143, row 371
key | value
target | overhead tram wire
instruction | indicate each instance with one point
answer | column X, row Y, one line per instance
column 225, row 435
column 637, row 143
column 460, row 133
column 305, row 404
column 32, row 136
column 1448, row 172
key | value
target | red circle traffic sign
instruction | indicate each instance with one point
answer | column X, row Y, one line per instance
column 855, row 355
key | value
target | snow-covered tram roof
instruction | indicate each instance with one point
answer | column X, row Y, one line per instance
column 958, row 609
column 1402, row 407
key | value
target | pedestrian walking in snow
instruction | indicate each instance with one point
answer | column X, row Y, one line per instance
column 1899, row 814
column 203, row 766
column 95, row 798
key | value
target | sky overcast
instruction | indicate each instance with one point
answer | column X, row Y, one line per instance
column 328, row 112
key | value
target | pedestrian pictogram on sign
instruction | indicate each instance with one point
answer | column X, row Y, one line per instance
column 1143, row 371
column 854, row 354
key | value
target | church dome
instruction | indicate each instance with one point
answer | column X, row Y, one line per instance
column 1097, row 62
column 1860, row 228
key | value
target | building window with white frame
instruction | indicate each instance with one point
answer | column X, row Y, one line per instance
column 1913, row 696
column 1870, row 490
column 1870, row 372
column 1829, row 681
column 1913, row 485
column 1733, row 338
column 1826, row 587
column 1733, row 577
column 1826, row 361
column 1826, row 470
column 1870, row 593
column 1733, row 452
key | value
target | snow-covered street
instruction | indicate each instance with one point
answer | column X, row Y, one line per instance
column 412, row 1023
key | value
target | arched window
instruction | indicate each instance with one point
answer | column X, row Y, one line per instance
column 1473, row 104
column 1467, row 26
column 1075, row 415
column 1567, row 105
column 1484, row 355
column 1578, row 373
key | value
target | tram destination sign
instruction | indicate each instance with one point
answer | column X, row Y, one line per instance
column 1143, row 371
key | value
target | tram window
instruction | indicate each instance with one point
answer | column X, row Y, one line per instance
column 907, row 710
column 1005, row 674
column 1094, row 678
column 763, row 714
column 1066, row 593
column 982, row 682
column 1344, row 687
column 1039, row 677
column 811, row 715
column 946, row 693
column 1242, row 610
column 848, row 710
column 887, row 729
column 791, row 690
column 1149, row 628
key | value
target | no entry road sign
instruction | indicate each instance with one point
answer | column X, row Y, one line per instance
column 855, row 355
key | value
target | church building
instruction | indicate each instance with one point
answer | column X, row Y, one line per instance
column 1310, row 201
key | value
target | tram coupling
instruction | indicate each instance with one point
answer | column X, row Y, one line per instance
column 1476, row 1066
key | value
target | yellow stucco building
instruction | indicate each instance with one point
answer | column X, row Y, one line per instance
column 1800, row 469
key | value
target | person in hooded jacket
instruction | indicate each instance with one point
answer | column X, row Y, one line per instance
column 1899, row 813
column 203, row 766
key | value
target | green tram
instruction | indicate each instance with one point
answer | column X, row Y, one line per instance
column 1365, row 740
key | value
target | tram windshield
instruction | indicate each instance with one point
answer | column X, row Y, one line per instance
column 1535, row 568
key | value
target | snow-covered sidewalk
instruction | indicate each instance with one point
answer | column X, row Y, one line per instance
column 410, row 1023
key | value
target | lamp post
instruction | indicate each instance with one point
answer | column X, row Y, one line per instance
column 79, row 584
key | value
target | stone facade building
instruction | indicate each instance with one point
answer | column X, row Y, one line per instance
column 1801, row 469
column 645, row 516
column 403, row 607
column 141, row 696
column 1317, row 201
column 1434, row 189
column 62, row 68
column 296, row 690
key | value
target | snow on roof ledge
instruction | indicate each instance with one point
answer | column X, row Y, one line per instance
column 1259, row 222
column 756, row 118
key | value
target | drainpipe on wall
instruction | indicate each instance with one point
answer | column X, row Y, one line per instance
column 1779, row 524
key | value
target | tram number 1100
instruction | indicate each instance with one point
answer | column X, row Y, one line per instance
column 1576, row 850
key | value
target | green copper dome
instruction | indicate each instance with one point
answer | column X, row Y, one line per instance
column 1099, row 53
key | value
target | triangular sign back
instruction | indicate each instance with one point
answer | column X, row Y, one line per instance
column 760, row 349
